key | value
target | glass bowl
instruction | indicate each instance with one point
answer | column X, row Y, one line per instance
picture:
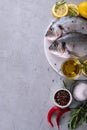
column 71, row 68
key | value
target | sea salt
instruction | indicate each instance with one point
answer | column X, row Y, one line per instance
column 80, row 92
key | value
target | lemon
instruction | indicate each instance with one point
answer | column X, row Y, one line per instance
column 83, row 9
column 73, row 10
column 61, row 11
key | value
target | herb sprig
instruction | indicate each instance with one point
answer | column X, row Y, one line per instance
column 58, row 4
column 77, row 117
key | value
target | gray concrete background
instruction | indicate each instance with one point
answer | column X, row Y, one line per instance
column 27, row 82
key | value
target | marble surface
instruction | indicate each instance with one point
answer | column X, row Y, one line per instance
column 27, row 82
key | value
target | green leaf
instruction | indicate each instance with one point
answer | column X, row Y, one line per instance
column 71, row 123
column 65, row 84
column 73, row 112
column 75, row 122
column 86, row 117
column 81, row 121
column 77, row 117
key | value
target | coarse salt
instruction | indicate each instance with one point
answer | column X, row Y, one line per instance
column 80, row 92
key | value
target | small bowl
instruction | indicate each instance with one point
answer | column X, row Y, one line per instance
column 72, row 87
column 71, row 68
column 63, row 98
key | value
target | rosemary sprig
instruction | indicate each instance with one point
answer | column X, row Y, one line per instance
column 77, row 117
column 58, row 4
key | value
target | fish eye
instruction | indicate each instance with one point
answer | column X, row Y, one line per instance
column 61, row 27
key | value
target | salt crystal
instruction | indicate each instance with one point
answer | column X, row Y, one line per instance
column 80, row 92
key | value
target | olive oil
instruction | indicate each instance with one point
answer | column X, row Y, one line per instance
column 71, row 68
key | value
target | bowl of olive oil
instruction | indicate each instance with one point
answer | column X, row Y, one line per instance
column 71, row 68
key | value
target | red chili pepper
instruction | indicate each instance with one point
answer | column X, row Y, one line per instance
column 60, row 114
column 50, row 113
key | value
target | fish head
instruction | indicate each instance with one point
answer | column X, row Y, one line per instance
column 53, row 32
column 59, row 49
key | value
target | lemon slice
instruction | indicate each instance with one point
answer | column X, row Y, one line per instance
column 61, row 11
column 73, row 10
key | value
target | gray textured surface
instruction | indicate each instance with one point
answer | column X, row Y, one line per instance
column 27, row 82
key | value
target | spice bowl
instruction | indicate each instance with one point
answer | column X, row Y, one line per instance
column 78, row 90
column 63, row 98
